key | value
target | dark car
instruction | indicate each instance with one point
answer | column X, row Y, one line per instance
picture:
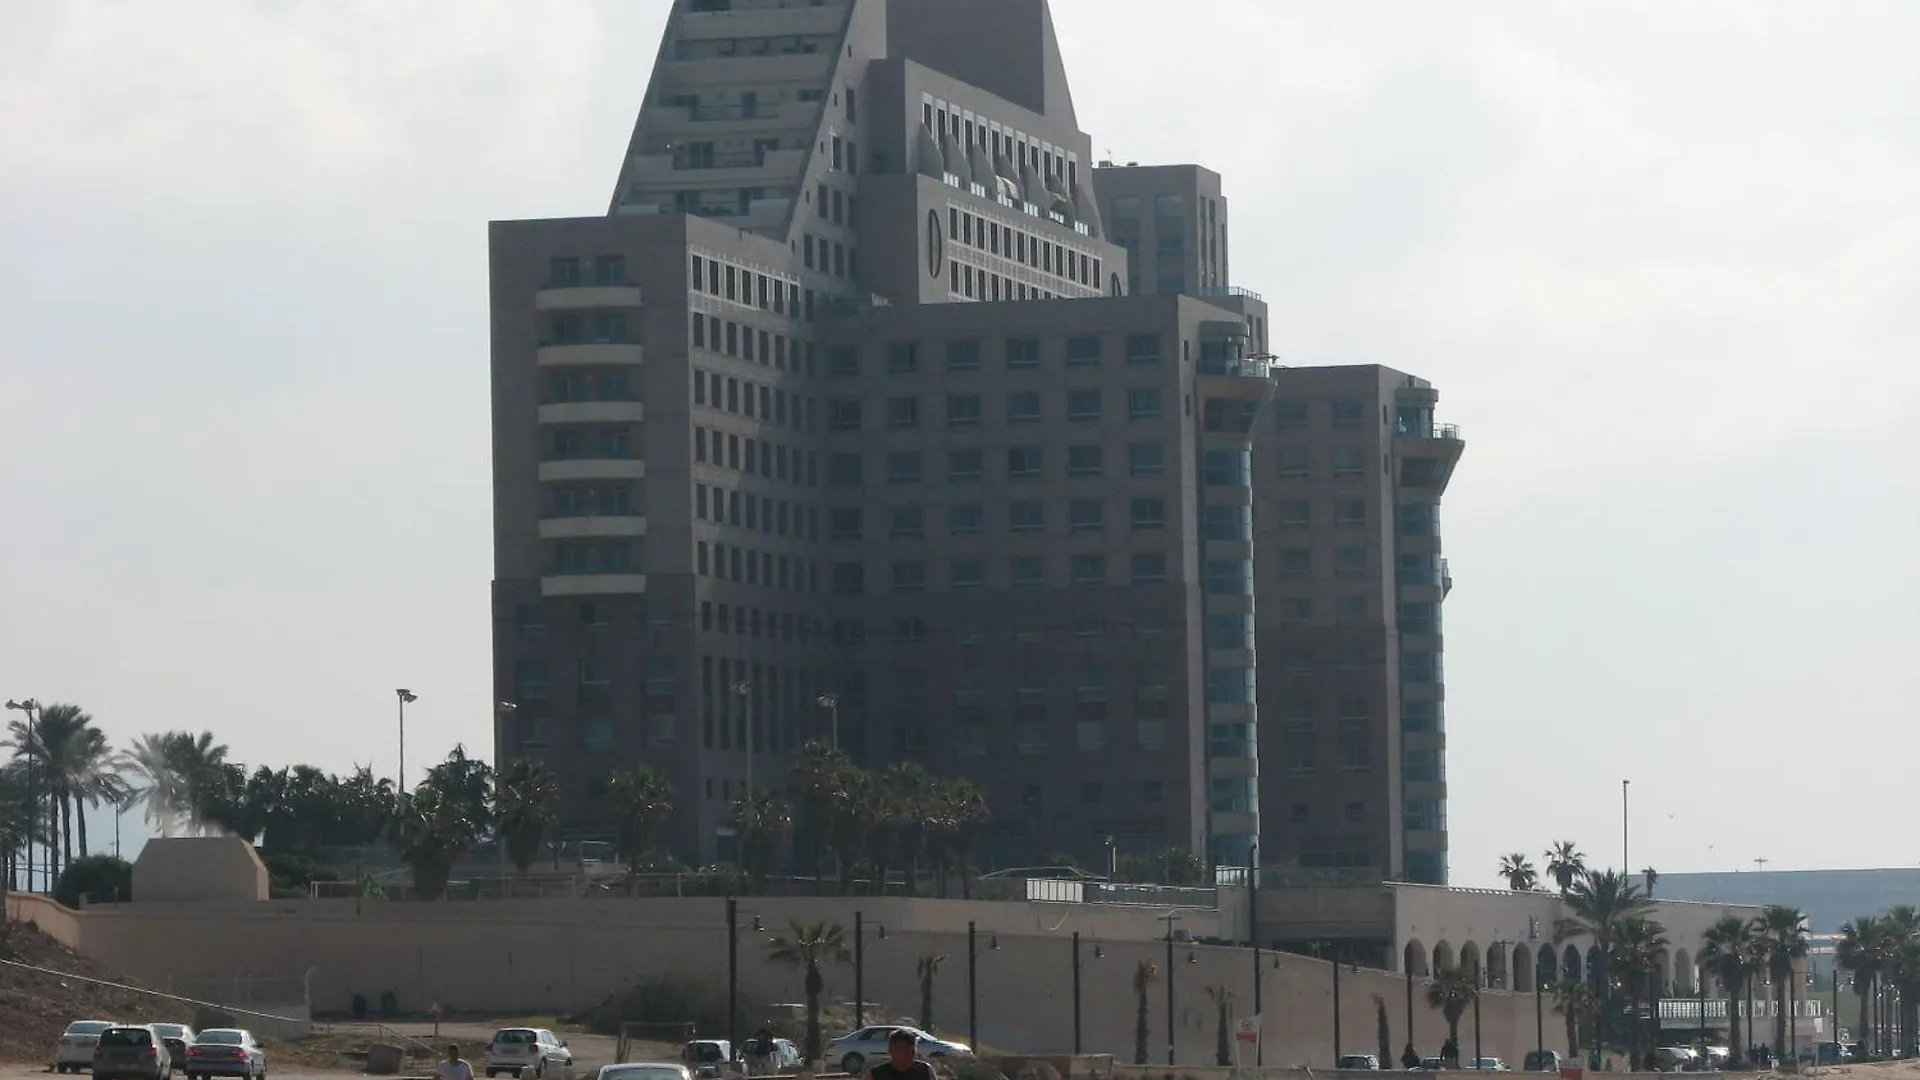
column 177, row 1037
column 226, row 1052
column 133, row 1051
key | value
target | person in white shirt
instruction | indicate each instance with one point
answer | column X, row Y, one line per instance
column 453, row 1066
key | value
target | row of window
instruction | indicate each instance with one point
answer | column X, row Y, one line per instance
column 1342, row 462
column 594, row 557
column 830, row 256
column 744, row 566
column 1020, row 572
column 993, row 237
column 755, row 457
column 849, row 523
column 576, row 442
column 1353, row 744
column 748, row 705
column 848, row 414
column 966, row 281
column 595, row 384
column 590, row 500
column 1018, row 353
column 723, row 280
column 573, row 271
column 1302, row 813
column 587, row 328
column 594, row 678
column 1018, row 147
column 969, row 465
column 761, row 513
column 744, row 397
column 1092, row 792
column 768, row 348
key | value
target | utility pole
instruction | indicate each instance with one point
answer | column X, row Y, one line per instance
column 1626, row 859
column 405, row 696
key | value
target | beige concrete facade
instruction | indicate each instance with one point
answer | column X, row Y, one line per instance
column 222, row 869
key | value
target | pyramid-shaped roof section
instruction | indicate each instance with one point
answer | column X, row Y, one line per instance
column 1006, row 47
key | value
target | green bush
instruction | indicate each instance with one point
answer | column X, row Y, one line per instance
column 662, row 999
column 103, row 879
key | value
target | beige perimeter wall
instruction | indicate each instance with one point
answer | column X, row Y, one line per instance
column 534, row 956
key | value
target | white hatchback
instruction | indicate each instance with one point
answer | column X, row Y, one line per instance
column 514, row 1051
column 75, row 1052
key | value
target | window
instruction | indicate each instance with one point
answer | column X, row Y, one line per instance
column 1089, row 569
column 1419, row 618
column 1228, row 468
column 1296, row 661
column 1230, row 414
column 1083, row 405
column 1149, row 568
column 1028, row 572
column 1143, row 404
column 1295, row 514
column 1349, row 461
column 1023, row 463
column 1148, row 512
column 1022, row 353
column 1290, row 413
column 1421, row 766
column 1297, row 743
column 1152, row 791
column 1143, row 348
column 843, row 414
column 1347, row 412
column 1350, row 512
column 903, row 413
column 1296, row 609
column 1083, row 350
column 908, row 630
column 1086, row 515
column 1083, row 460
column 1230, row 686
column 1295, row 464
column 1146, row 459
column 1023, row 407
column 1090, row 736
column 1350, row 561
column 963, row 410
column 903, row 357
column 903, row 467
column 966, row 519
column 1229, row 524
column 1296, row 560
column 843, row 470
column 845, row 522
column 843, row 361
column 1229, row 577
column 906, row 523
column 1348, row 610
column 1026, row 516
column 967, row 574
column 963, row 355
column 909, row 576
column 1301, row 813
column 1419, row 716
column 965, row 466
column 1228, row 631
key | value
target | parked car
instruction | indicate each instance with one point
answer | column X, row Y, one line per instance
column 786, row 1055
column 75, row 1052
column 515, row 1049
column 135, row 1051
column 1546, row 1061
column 1368, row 1062
column 855, row 1049
column 645, row 1070
column 1490, row 1064
column 226, row 1052
column 706, row 1057
column 178, row 1037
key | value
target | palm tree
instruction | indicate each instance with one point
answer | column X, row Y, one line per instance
column 73, row 760
column 1222, row 997
column 927, row 968
column 760, row 823
column 1573, row 999
column 1781, row 933
column 1145, row 974
column 434, row 830
column 1451, row 991
column 1598, row 904
column 1640, row 943
column 1519, row 872
column 1904, row 967
column 642, row 802
column 1565, row 864
column 1727, row 952
column 172, row 774
column 807, row 947
column 526, row 797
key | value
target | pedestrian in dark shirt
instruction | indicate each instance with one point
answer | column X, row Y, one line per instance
column 901, row 1063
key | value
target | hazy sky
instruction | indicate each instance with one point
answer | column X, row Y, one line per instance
column 1662, row 260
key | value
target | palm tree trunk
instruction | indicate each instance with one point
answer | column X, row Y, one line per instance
column 1863, row 989
column 1780, row 1017
column 66, row 832
column 1735, row 1048
column 82, row 826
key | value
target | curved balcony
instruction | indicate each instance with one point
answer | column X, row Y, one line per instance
column 576, row 528
column 593, row 412
column 593, row 584
column 575, row 297
column 594, row 469
column 588, row 354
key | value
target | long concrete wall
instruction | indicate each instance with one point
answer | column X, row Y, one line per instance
column 558, row 956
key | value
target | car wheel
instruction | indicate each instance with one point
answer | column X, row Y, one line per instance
column 852, row 1064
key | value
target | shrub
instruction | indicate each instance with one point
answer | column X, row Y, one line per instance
column 661, row 999
column 206, row 1017
column 101, row 878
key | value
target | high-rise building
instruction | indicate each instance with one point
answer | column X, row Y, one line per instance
column 852, row 421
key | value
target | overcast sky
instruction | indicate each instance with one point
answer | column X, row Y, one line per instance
column 1662, row 261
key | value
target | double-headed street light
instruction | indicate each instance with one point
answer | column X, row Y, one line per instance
column 32, row 709
column 860, row 966
column 973, row 981
column 733, row 966
column 406, row 697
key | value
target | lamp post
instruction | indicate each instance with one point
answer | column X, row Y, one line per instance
column 744, row 690
column 405, row 696
column 1170, row 918
column 32, row 709
column 1477, row 983
column 1076, row 992
column 831, row 703
column 733, row 966
column 1626, row 860
column 1406, row 964
column 973, row 983
column 1539, row 1005
column 860, row 966
column 1336, row 1006
column 1253, row 939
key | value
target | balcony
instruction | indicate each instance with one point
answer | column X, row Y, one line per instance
column 588, row 354
column 1232, row 291
column 577, row 528
column 593, row 469
column 573, row 297
column 593, row 412
column 593, row 584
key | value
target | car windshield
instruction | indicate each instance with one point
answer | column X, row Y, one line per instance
column 171, row 1031
column 517, row 1035
column 126, row 1037
column 221, row 1038
column 87, row 1027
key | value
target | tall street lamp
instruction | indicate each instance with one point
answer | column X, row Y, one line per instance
column 1406, row 964
column 32, row 709
column 406, row 697
column 1170, row 918
column 1539, row 1003
column 860, row 966
column 973, row 983
column 1253, row 939
column 744, row 690
column 1076, row 992
column 1498, row 946
column 831, row 703
column 733, row 966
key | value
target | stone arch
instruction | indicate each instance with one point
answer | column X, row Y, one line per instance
column 1496, row 966
column 1548, row 969
column 1570, row 966
column 1686, row 980
column 1470, row 961
column 1663, row 973
column 1523, row 974
column 1442, row 955
column 1596, row 968
column 1413, row 959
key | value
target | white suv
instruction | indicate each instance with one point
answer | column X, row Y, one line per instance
column 515, row 1050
